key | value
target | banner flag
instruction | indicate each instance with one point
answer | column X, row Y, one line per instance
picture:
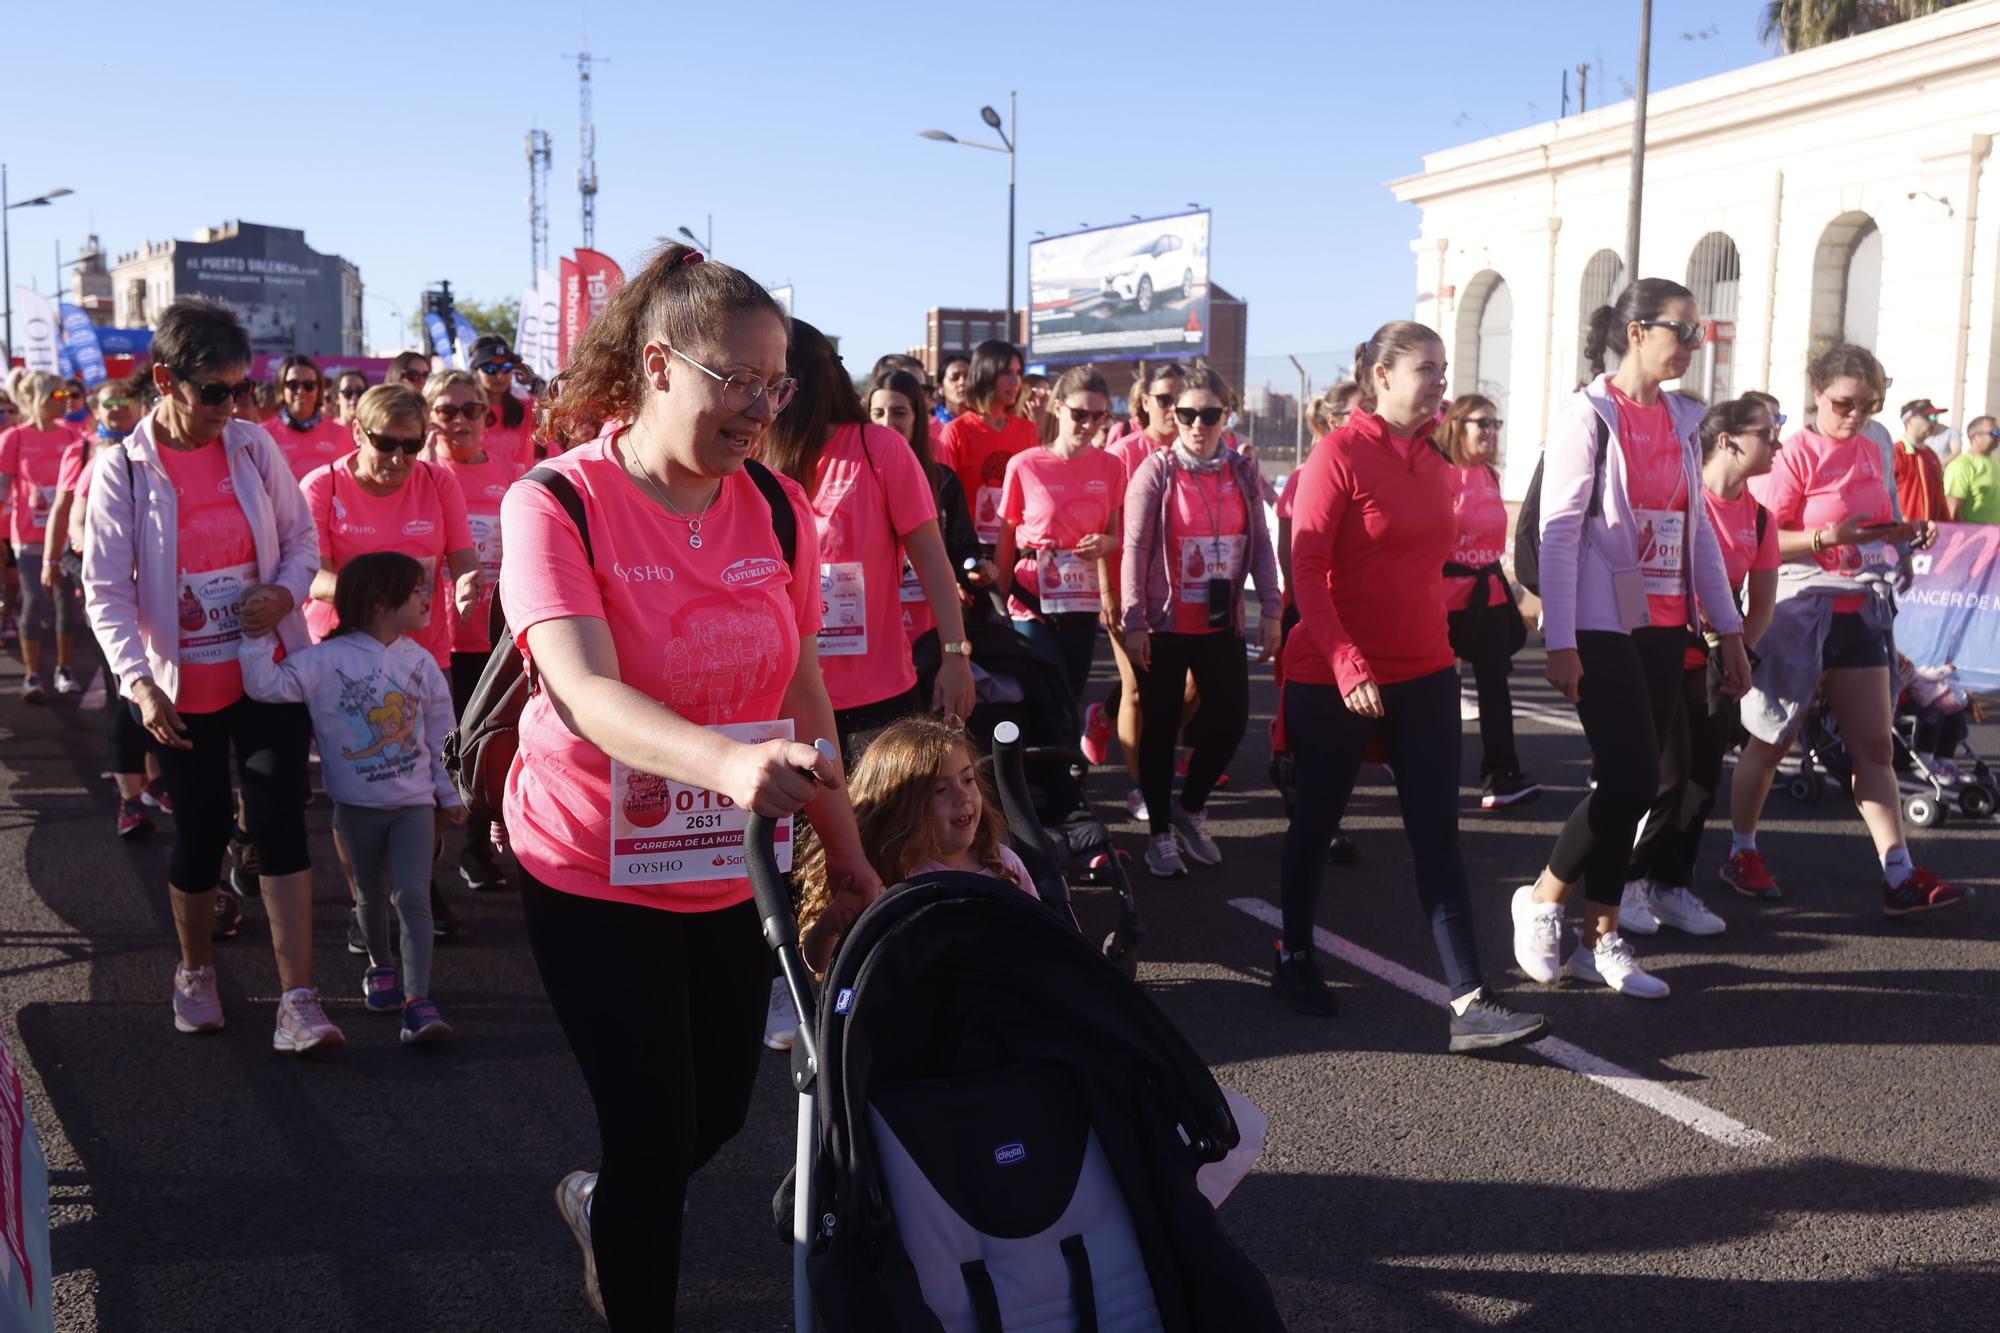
column 41, row 331
column 440, row 335
column 1951, row 614
column 572, row 306
column 80, row 339
column 538, row 340
column 601, row 279
column 467, row 335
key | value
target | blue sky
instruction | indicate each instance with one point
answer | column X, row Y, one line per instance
column 392, row 133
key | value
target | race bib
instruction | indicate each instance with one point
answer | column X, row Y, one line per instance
column 986, row 515
column 486, row 541
column 438, row 595
column 665, row 832
column 1205, row 558
column 1662, row 548
column 843, row 610
column 911, row 589
column 210, row 607
column 1068, row 582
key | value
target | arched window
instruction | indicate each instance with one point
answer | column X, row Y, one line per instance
column 1483, row 351
column 1715, row 275
column 1847, row 283
column 1603, row 279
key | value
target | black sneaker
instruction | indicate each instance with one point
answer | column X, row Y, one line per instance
column 357, row 938
column 1487, row 1023
column 1301, row 984
column 228, row 915
column 1508, row 787
column 1342, row 851
column 244, row 867
column 445, row 924
column 480, row 871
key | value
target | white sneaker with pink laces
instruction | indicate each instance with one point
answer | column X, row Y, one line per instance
column 303, row 1025
column 197, row 1005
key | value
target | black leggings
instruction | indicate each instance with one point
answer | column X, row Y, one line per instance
column 1222, row 679
column 1419, row 729
column 1496, row 714
column 1629, row 701
column 860, row 724
column 663, row 1011
column 270, row 742
column 1069, row 636
column 1690, row 776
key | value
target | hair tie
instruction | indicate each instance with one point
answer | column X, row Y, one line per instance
column 692, row 257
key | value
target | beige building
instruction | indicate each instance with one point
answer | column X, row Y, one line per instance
column 1845, row 192
column 290, row 297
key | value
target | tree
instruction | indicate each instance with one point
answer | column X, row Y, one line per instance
column 501, row 317
column 1794, row 25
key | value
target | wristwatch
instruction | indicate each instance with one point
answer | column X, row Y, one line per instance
column 963, row 647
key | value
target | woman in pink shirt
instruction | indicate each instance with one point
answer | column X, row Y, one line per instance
column 510, row 426
column 896, row 401
column 1060, row 537
column 306, row 433
column 671, row 636
column 30, row 468
column 871, row 503
column 348, row 386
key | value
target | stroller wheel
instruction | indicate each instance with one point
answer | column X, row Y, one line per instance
column 1922, row 810
column 1807, row 788
column 1123, row 953
column 1977, row 802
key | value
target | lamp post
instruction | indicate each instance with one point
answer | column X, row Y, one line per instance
column 1637, row 189
column 1008, row 138
column 7, row 247
column 1299, row 456
column 707, row 247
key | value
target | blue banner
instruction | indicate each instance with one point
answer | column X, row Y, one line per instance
column 440, row 335
column 80, row 341
column 467, row 335
column 125, row 342
column 1951, row 614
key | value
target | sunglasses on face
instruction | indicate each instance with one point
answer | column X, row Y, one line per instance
column 1768, row 434
column 1487, row 423
column 1166, row 400
column 114, row 404
column 448, row 412
column 1847, row 407
column 415, row 378
column 499, row 367
column 1208, row 416
column 63, row 395
column 352, row 392
column 1687, row 331
column 300, row 386
column 215, row 393
column 389, row 444
column 1086, row 416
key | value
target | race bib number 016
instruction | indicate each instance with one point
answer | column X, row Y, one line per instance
column 665, row 832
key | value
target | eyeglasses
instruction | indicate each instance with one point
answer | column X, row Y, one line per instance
column 1690, row 332
column 452, row 412
column 742, row 389
column 1208, row 416
column 1488, row 423
column 299, row 386
column 1847, row 407
column 1086, row 416
column 352, row 392
column 389, row 444
column 499, row 366
column 215, row 393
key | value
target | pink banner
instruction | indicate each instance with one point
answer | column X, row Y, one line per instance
column 601, row 279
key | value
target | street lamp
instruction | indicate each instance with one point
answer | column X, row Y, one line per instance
column 7, row 247
column 706, row 247
column 1008, row 138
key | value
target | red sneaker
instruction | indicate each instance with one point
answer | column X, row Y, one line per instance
column 1097, row 732
column 1921, row 892
column 1745, row 873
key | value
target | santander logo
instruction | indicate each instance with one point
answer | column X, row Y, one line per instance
column 755, row 569
column 419, row 527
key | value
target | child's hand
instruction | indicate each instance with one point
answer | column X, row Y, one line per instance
column 457, row 816
column 844, row 906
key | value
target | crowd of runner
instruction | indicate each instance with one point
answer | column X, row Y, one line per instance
column 712, row 543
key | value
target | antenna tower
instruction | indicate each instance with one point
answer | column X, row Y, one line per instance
column 586, row 132
column 538, row 201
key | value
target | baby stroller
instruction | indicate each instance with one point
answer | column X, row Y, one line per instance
column 986, row 1145
column 1927, row 791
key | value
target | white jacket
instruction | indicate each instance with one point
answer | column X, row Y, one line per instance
column 131, row 558
column 1580, row 554
column 380, row 714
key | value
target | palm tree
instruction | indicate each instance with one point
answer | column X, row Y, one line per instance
column 1794, row 25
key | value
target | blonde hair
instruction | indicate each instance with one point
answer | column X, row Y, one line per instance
column 441, row 382
column 387, row 403
column 35, row 387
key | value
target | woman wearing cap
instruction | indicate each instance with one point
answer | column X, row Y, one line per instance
column 197, row 532
column 30, row 467
column 510, row 427
column 306, row 434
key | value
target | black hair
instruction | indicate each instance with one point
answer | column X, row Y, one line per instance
column 370, row 582
column 1643, row 300
column 990, row 360
column 826, row 398
column 199, row 335
column 1729, row 418
column 293, row 362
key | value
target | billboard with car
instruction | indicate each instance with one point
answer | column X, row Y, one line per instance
column 1137, row 289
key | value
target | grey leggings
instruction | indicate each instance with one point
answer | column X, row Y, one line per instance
column 392, row 848
column 48, row 610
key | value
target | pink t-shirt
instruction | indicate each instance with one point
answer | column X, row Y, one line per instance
column 1207, row 527
column 1132, row 450
column 74, row 476
column 1815, row 483
column 1735, row 524
column 1014, row 865
column 510, row 443
column 1656, row 486
column 713, row 634
column 865, row 502
column 308, row 449
column 481, row 485
column 979, row 455
column 1055, row 502
column 33, row 457
column 424, row 517
column 218, row 562
column 1481, row 516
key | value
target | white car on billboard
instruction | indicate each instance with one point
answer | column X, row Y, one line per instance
column 1162, row 264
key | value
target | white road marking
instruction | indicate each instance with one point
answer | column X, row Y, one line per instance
column 1645, row 1091
column 1553, row 717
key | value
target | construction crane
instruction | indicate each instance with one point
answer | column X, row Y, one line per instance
column 539, row 153
column 586, row 133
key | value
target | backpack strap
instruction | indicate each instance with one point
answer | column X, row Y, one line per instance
column 1763, row 521
column 784, row 522
column 1596, row 509
column 556, row 484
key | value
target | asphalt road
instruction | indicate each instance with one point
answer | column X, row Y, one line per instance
column 1808, row 1139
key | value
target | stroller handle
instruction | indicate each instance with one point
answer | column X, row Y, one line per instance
column 772, row 894
column 1024, row 826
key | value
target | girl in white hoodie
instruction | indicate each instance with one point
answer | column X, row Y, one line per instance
column 381, row 710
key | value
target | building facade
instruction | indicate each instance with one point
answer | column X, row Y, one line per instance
column 1844, row 193
column 289, row 296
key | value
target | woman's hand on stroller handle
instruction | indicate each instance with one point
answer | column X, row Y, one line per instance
column 777, row 778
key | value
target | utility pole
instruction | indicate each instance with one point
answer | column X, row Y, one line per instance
column 1638, row 189
column 1299, row 455
column 586, row 133
column 1583, row 88
column 539, row 154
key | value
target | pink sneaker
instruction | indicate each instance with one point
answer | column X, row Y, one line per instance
column 303, row 1025
column 1097, row 733
column 197, row 1005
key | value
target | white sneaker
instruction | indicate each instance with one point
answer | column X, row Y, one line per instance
column 1163, row 858
column 66, row 681
column 1135, row 806
column 197, row 1004
column 1611, row 964
column 1191, row 832
column 781, row 1020
column 1468, row 706
column 1537, row 935
column 302, row 1025
column 1635, row 909
column 1679, row 908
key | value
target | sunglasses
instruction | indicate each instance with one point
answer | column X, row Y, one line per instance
column 1847, row 407
column 1690, row 333
column 1768, row 434
column 299, row 386
column 351, row 392
column 1490, row 423
column 499, row 367
column 215, row 393
column 389, row 444
column 1166, row 400
column 415, row 378
column 1086, row 416
column 64, row 395
column 448, row 412
column 1208, row 416
column 115, row 404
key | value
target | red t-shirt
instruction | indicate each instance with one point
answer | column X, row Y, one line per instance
column 1481, row 516
column 217, row 556
column 424, row 517
column 481, row 485
column 33, row 457
column 1054, row 503
column 711, row 633
column 305, row 450
column 979, row 454
column 1919, row 482
column 1815, row 483
column 865, row 501
column 1208, row 529
column 1656, row 485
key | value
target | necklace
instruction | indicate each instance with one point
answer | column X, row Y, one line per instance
column 635, row 469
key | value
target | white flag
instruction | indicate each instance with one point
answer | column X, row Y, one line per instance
column 538, row 341
column 41, row 330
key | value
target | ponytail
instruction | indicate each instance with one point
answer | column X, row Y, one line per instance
column 1643, row 300
column 1388, row 345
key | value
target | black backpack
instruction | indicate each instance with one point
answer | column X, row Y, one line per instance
column 1528, row 523
column 481, row 750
